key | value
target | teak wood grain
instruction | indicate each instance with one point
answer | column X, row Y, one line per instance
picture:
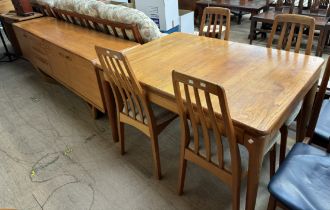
column 66, row 53
column 262, row 85
column 75, row 39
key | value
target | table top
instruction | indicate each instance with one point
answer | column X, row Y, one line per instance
column 254, row 4
column 76, row 39
column 14, row 17
column 262, row 85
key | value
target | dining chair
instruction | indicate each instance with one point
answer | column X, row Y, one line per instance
column 215, row 21
column 320, row 119
column 302, row 180
column 132, row 105
column 289, row 23
column 207, row 139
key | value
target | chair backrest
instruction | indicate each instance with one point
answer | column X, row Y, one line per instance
column 319, row 100
column 289, row 23
column 129, row 96
column 213, row 21
column 125, row 31
column 316, row 5
column 196, row 99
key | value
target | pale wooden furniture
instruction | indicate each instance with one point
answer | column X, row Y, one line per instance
column 132, row 105
column 126, row 31
column 6, row 6
column 202, row 149
column 262, row 90
column 66, row 52
column 215, row 20
column 7, row 19
column 289, row 23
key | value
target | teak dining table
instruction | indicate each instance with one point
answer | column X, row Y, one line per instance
column 262, row 85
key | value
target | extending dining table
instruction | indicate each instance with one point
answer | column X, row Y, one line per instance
column 263, row 86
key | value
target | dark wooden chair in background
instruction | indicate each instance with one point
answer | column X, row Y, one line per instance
column 213, row 145
column 215, row 21
column 302, row 180
column 132, row 105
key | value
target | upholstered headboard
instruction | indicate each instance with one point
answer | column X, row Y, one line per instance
column 103, row 9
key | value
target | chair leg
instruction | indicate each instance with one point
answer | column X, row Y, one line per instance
column 182, row 175
column 121, row 133
column 155, row 154
column 272, row 159
column 284, row 137
column 236, row 194
column 271, row 203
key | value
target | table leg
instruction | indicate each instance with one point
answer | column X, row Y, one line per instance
column 256, row 154
column 253, row 29
column 110, row 107
column 305, row 113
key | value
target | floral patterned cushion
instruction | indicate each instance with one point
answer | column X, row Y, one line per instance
column 117, row 13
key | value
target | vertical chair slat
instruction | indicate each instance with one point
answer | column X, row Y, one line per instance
column 299, row 38
column 121, row 75
column 283, row 32
column 215, row 127
column 136, row 104
column 192, row 119
column 291, row 36
column 203, row 123
column 220, row 27
column 215, row 24
column 118, row 83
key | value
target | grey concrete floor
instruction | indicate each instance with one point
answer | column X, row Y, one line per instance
column 55, row 156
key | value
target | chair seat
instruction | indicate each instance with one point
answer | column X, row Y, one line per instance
column 217, row 28
column 211, row 29
column 303, row 179
column 294, row 114
column 161, row 115
column 227, row 160
column 322, row 130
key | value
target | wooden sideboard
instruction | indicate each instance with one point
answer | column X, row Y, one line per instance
column 6, row 6
column 66, row 52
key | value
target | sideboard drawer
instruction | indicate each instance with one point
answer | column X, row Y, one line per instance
column 58, row 62
column 24, row 43
column 41, row 62
column 83, row 79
